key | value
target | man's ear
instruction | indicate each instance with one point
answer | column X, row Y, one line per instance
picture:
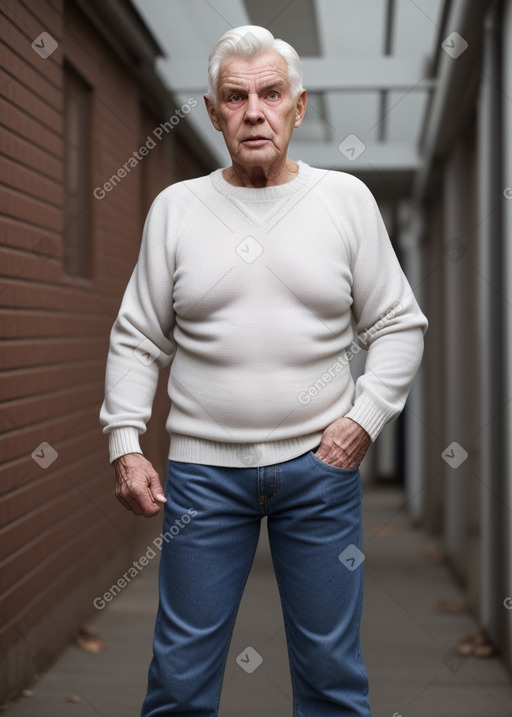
column 302, row 103
column 212, row 112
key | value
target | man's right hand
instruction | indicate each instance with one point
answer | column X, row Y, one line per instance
column 138, row 486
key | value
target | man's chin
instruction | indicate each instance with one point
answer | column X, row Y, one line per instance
column 254, row 156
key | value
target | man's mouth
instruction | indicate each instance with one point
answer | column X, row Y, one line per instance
column 255, row 141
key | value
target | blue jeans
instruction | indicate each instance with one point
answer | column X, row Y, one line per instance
column 211, row 528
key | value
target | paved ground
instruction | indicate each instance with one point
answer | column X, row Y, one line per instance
column 408, row 644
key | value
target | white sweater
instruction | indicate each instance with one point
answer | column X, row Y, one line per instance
column 250, row 293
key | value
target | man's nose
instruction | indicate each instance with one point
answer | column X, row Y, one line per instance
column 253, row 111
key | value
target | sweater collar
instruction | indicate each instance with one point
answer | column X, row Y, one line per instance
column 262, row 194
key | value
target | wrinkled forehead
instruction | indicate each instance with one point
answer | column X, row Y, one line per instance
column 263, row 68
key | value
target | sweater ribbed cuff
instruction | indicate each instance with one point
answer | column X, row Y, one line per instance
column 369, row 415
column 122, row 441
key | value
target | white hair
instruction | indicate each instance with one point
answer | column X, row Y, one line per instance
column 248, row 41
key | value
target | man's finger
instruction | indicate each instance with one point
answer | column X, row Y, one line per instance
column 132, row 499
column 138, row 485
column 335, row 455
column 130, row 502
column 323, row 450
column 156, row 489
column 146, row 504
column 149, row 509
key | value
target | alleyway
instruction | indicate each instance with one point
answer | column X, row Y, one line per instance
column 408, row 643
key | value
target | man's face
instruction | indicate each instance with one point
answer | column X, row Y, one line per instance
column 256, row 110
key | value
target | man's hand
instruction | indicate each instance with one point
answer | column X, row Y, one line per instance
column 138, row 485
column 344, row 444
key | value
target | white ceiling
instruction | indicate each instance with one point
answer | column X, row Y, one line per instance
column 366, row 67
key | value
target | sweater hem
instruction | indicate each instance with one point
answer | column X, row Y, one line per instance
column 188, row 449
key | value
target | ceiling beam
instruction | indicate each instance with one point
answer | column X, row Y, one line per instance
column 392, row 156
column 322, row 74
column 367, row 73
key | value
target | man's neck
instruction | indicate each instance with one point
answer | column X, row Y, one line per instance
column 258, row 177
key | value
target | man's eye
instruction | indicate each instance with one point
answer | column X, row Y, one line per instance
column 272, row 95
column 235, row 98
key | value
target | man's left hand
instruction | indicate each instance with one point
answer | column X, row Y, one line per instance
column 344, row 444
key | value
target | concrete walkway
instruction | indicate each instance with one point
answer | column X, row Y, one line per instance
column 408, row 645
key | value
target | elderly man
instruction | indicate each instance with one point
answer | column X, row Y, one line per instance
column 247, row 283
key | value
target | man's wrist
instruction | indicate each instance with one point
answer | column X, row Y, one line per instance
column 358, row 425
column 125, row 458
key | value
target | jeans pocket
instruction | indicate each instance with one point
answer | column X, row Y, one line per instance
column 318, row 460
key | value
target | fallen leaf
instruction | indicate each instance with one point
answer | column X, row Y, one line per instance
column 452, row 607
column 475, row 638
column 476, row 644
column 88, row 640
column 434, row 552
column 91, row 645
column 466, row 649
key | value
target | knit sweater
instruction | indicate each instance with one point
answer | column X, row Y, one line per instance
column 252, row 296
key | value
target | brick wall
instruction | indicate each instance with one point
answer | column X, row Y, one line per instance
column 63, row 537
